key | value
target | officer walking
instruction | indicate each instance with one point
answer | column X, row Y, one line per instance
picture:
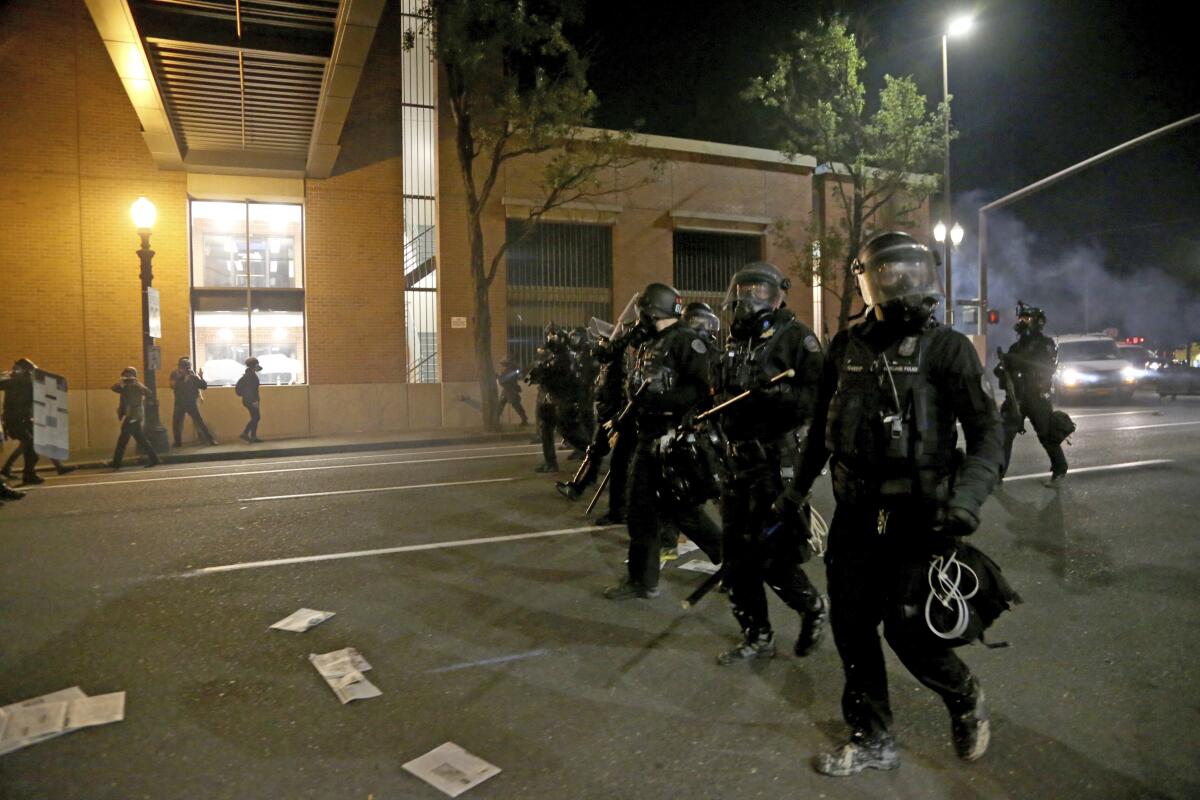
column 669, row 380
column 187, row 386
column 1030, row 364
column 131, row 410
column 763, row 543
column 247, row 389
column 557, row 376
column 18, row 413
column 509, row 381
column 892, row 390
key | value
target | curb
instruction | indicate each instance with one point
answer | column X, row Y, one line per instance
column 304, row 450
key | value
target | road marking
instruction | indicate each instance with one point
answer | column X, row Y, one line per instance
column 274, row 471
column 1101, row 468
column 379, row 489
column 1116, row 414
column 276, row 562
column 487, row 662
column 1156, row 425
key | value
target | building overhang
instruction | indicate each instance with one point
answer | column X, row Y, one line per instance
column 247, row 87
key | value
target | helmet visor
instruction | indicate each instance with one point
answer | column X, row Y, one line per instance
column 884, row 281
column 758, row 293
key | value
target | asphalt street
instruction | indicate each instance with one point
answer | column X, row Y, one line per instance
column 473, row 589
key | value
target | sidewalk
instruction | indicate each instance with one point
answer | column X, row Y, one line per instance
column 300, row 446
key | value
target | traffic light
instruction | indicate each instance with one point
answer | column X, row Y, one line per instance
column 993, row 316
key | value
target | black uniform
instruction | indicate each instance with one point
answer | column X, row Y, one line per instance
column 187, row 386
column 509, row 382
column 18, row 417
column 669, row 379
column 896, row 472
column 761, row 433
column 1031, row 362
column 558, row 377
column 247, row 389
column 132, row 412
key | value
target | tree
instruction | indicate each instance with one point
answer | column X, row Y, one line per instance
column 516, row 87
column 817, row 106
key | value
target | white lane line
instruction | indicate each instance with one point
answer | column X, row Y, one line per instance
column 1116, row 414
column 1101, row 468
column 379, row 489
column 276, row 562
column 1156, row 425
column 273, row 471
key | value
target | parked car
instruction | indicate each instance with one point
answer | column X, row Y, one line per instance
column 1090, row 365
column 1140, row 359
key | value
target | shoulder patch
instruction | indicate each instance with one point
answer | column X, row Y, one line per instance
column 699, row 346
column 811, row 344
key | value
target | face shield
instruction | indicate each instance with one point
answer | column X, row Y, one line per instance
column 883, row 282
column 599, row 329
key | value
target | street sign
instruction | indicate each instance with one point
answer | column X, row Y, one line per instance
column 154, row 357
column 152, row 304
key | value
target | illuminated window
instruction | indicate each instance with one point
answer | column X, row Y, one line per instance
column 248, row 290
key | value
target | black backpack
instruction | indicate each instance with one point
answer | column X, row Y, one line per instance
column 1061, row 427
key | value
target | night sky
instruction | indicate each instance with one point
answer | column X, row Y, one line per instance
column 1038, row 87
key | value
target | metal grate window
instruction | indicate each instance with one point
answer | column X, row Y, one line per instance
column 557, row 272
column 418, row 101
column 705, row 262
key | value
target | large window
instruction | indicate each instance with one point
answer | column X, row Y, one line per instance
column 248, row 290
column 557, row 272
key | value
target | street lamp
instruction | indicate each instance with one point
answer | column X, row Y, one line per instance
column 144, row 214
column 957, row 27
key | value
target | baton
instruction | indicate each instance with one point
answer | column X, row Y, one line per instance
column 599, row 489
column 704, row 588
column 787, row 373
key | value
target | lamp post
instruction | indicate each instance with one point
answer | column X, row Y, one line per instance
column 957, row 27
column 144, row 215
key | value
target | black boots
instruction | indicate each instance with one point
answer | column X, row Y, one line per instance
column 970, row 727
column 812, row 625
column 753, row 646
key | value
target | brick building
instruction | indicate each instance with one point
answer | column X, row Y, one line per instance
column 310, row 213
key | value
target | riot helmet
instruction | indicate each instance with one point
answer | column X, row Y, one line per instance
column 23, row 365
column 556, row 337
column 899, row 276
column 252, row 363
column 700, row 317
column 578, row 338
column 1030, row 319
column 659, row 301
column 129, row 374
column 755, row 290
column 185, row 363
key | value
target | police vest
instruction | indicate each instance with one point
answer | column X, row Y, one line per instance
column 887, row 419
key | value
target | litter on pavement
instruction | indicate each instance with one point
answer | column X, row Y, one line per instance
column 451, row 769
column 343, row 671
column 302, row 620
column 42, row 718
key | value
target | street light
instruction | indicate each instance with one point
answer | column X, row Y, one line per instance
column 957, row 27
column 144, row 214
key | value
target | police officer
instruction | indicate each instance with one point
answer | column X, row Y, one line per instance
column 187, row 386
column 669, row 380
column 892, row 390
column 762, row 542
column 1030, row 363
column 703, row 320
column 509, row 381
column 131, row 410
column 18, row 413
column 582, row 346
column 560, row 391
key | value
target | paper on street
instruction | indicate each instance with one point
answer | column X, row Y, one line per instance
column 451, row 769
column 353, row 686
column 339, row 662
column 26, row 725
column 99, row 710
column 302, row 620
column 683, row 548
column 343, row 671
column 61, row 696
column 696, row 565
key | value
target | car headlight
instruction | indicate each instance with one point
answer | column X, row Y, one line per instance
column 1071, row 377
column 1130, row 375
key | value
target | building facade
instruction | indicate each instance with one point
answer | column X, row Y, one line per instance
column 311, row 214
